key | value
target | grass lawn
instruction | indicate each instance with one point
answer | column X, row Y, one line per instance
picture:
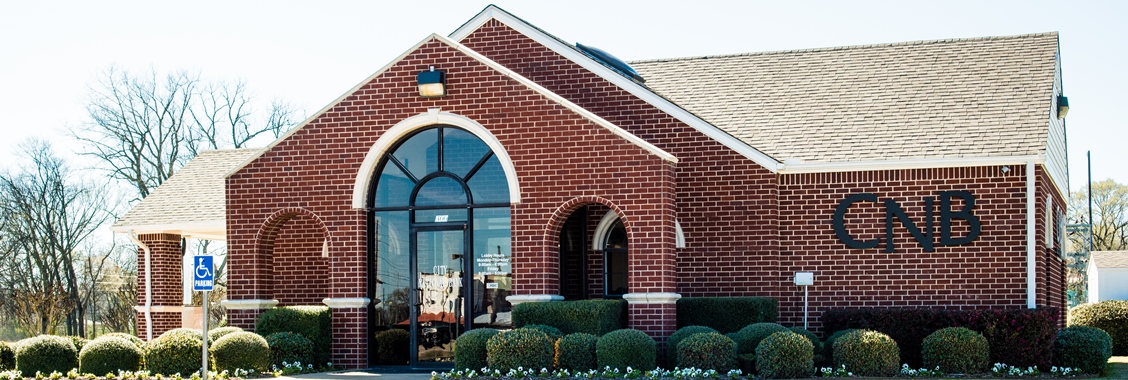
column 1117, row 368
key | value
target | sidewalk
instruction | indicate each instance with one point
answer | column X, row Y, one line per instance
column 369, row 374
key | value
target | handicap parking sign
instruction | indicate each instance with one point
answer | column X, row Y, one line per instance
column 203, row 273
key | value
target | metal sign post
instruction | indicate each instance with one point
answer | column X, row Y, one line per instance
column 203, row 273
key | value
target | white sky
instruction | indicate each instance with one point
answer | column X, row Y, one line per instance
column 312, row 52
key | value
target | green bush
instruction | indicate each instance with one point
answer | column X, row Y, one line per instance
column 289, row 347
column 240, row 350
column 79, row 342
column 1110, row 316
column 45, row 353
column 392, row 346
column 312, row 322
column 528, row 348
column 726, row 314
column 785, row 354
column 956, row 350
column 219, row 332
column 7, row 357
column 130, row 337
column 867, row 353
column 750, row 336
column 576, row 352
column 707, row 350
column 1084, row 347
column 552, row 332
column 109, row 354
column 186, row 332
column 470, row 349
column 174, row 352
column 828, row 345
column 814, row 339
column 596, row 317
column 677, row 337
column 626, row 348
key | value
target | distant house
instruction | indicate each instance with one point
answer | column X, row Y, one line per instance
column 1108, row 276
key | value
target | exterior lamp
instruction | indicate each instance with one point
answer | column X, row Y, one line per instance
column 1063, row 106
column 432, row 84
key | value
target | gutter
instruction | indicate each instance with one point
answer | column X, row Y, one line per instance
column 1031, row 272
column 148, row 308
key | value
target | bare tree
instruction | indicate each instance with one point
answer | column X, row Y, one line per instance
column 47, row 217
column 143, row 128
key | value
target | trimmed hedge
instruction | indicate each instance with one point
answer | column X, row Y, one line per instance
column 311, row 322
column 956, row 350
column 785, row 354
column 552, row 332
column 1110, row 316
column 135, row 340
column 867, row 353
column 45, row 353
column 596, row 317
column 470, row 349
column 707, row 350
column 677, row 337
column 814, row 339
column 527, row 348
column 576, row 352
column 79, row 342
column 1018, row 337
column 290, row 348
column 750, row 336
column 7, row 357
column 109, row 354
column 174, row 352
column 626, row 348
column 828, row 345
column 219, row 332
column 240, row 350
column 392, row 346
column 726, row 314
column 1083, row 347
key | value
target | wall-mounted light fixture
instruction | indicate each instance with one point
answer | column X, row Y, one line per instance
column 1063, row 106
column 432, row 84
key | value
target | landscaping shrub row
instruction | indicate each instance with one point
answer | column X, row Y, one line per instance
column 1018, row 337
column 596, row 317
column 726, row 314
column 542, row 347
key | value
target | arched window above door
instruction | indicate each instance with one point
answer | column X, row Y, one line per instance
column 441, row 166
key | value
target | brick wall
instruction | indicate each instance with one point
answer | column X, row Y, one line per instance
column 162, row 322
column 300, row 273
column 165, row 260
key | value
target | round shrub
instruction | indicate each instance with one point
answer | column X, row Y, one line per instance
column 678, row 336
column 867, row 353
column 216, row 333
column 109, row 354
column 392, row 346
column 1110, row 316
column 79, row 342
column 7, row 357
column 785, row 354
column 707, row 350
column 174, row 353
column 45, row 353
column 186, row 332
column 814, row 339
column 956, row 350
column 750, row 336
column 523, row 347
column 1084, row 347
column 470, row 349
column 626, row 348
column 290, row 348
column 240, row 350
column 552, row 332
column 135, row 340
column 576, row 352
column 828, row 345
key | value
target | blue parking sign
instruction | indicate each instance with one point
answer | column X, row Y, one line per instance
column 203, row 273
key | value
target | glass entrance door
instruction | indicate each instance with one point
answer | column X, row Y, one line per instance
column 438, row 293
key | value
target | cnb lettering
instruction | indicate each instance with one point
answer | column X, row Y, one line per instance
column 894, row 211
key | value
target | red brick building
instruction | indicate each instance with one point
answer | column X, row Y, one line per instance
column 919, row 174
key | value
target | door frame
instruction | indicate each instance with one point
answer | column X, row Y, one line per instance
column 413, row 287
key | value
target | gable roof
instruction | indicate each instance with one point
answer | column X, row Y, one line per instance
column 944, row 99
column 1109, row 259
column 191, row 202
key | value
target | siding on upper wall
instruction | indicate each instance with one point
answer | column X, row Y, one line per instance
column 1057, row 156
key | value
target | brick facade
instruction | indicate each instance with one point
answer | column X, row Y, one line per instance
column 165, row 254
column 747, row 229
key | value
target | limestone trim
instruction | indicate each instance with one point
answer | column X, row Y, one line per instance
column 346, row 303
column 652, row 298
column 534, row 298
column 160, row 309
column 249, row 304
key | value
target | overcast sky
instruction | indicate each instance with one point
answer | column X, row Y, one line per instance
column 311, row 52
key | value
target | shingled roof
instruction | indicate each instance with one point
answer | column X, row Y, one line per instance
column 1109, row 259
column 957, row 98
column 192, row 202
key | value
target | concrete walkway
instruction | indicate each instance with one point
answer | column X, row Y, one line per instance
column 369, row 374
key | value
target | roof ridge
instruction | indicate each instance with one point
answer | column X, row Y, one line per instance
column 848, row 47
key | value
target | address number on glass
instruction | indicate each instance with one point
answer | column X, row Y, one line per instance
column 441, row 218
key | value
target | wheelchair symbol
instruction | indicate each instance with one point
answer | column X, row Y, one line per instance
column 203, row 271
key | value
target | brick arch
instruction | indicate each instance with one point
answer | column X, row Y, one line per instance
column 291, row 243
column 562, row 212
